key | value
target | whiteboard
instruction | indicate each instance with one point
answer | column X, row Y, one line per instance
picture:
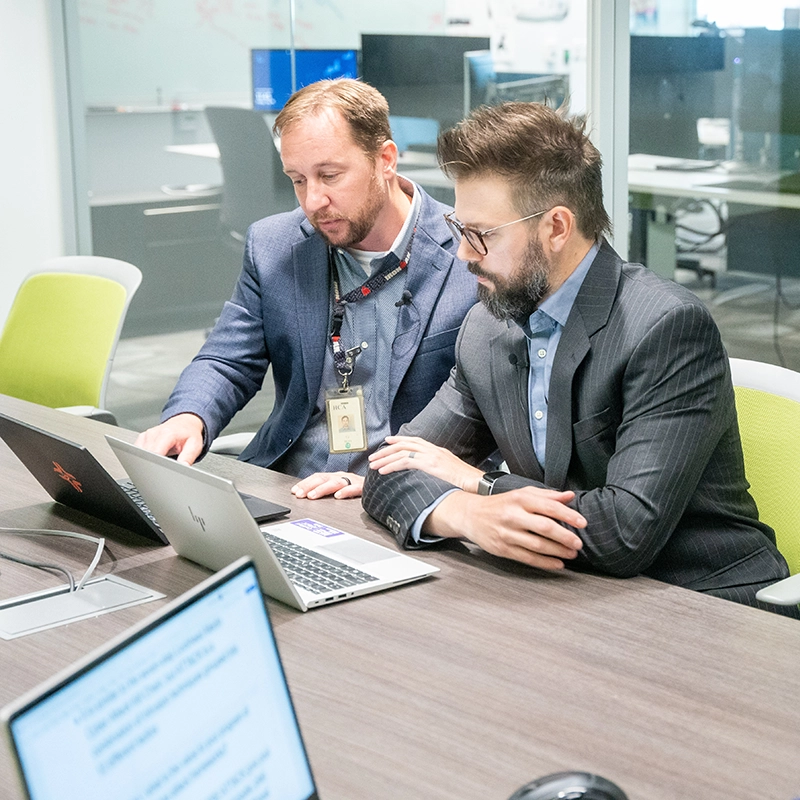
column 164, row 53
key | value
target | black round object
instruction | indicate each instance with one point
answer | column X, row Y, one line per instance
column 570, row 786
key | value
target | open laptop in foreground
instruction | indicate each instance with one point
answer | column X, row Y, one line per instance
column 73, row 476
column 192, row 702
column 303, row 563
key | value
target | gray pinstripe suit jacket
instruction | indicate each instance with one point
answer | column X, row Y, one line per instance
column 641, row 425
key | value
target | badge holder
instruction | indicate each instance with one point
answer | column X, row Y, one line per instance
column 344, row 409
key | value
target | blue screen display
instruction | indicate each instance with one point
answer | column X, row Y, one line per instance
column 272, row 72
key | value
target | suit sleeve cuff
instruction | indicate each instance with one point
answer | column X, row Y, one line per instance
column 416, row 529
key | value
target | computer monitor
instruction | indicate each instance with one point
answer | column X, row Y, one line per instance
column 674, row 81
column 479, row 75
column 770, row 82
column 420, row 75
column 272, row 72
column 665, row 55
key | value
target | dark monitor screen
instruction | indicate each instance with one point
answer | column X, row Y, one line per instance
column 770, row 81
column 673, row 82
column 272, row 72
column 420, row 75
column 670, row 54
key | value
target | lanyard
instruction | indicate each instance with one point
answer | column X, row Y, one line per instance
column 344, row 360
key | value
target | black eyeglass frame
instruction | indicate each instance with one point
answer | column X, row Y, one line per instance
column 474, row 237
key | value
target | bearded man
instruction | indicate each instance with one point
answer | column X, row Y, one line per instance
column 355, row 300
column 605, row 388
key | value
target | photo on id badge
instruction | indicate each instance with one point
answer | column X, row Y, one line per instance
column 346, row 425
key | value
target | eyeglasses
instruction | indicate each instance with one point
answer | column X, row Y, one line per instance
column 475, row 238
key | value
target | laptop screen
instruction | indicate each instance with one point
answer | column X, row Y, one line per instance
column 194, row 704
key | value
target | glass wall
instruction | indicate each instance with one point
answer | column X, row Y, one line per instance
column 714, row 171
column 162, row 182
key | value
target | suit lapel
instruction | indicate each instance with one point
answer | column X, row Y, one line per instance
column 313, row 292
column 589, row 314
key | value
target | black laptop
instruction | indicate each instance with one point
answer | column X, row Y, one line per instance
column 190, row 703
column 72, row 475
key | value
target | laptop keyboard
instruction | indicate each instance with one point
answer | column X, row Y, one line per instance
column 313, row 571
column 133, row 493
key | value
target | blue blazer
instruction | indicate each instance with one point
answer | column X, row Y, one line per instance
column 278, row 315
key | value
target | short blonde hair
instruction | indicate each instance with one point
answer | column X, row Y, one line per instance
column 362, row 106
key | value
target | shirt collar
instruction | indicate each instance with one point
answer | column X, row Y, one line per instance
column 401, row 242
column 559, row 304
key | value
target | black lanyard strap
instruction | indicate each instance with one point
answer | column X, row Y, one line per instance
column 344, row 360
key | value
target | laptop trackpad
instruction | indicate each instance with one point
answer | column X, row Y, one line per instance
column 359, row 550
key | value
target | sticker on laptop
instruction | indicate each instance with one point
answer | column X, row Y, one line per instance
column 313, row 526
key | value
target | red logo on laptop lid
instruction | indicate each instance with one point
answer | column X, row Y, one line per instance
column 68, row 477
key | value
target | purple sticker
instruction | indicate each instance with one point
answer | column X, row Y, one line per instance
column 316, row 527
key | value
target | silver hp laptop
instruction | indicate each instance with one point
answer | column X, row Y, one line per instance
column 303, row 563
column 71, row 475
column 192, row 702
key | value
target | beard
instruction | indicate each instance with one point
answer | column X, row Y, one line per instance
column 519, row 295
column 360, row 222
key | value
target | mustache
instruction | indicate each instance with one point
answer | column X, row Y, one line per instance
column 477, row 270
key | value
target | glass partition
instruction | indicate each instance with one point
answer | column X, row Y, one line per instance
column 179, row 97
column 160, row 176
column 714, row 170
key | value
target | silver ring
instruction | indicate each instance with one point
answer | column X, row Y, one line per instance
column 346, row 480
column 412, row 453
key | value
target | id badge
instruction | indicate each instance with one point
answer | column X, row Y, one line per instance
column 347, row 427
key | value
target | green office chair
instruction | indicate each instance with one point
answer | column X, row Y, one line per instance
column 768, row 408
column 59, row 340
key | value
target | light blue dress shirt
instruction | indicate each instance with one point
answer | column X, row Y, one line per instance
column 543, row 331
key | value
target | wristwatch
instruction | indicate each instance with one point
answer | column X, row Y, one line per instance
column 486, row 481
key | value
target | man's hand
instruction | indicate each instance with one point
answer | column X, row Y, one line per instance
column 181, row 436
column 524, row 525
column 411, row 452
column 342, row 485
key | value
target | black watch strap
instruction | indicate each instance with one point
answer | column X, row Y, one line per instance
column 486, row 481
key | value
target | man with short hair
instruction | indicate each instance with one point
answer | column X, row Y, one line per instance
column 355, row 299
column 606, row 388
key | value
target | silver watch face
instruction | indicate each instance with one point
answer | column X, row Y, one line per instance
column 484, row 486
column 486, row 482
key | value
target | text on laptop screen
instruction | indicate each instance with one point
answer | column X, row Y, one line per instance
column 195, row 706
column 272, row 72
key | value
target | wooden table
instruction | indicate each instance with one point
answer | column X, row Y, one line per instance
column 471, row 683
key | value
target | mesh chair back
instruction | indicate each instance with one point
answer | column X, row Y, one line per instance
column 254, row 185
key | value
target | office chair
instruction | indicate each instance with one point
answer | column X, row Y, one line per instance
column 768, row 408
column 254, row 185
column 61, row 334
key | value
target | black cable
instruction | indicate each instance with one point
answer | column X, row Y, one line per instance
column 101, row 543
column 719, row 232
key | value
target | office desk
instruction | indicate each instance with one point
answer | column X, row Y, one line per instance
column 651, row 175
column 409, row 158
column 478, row 680
column 657, row 191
